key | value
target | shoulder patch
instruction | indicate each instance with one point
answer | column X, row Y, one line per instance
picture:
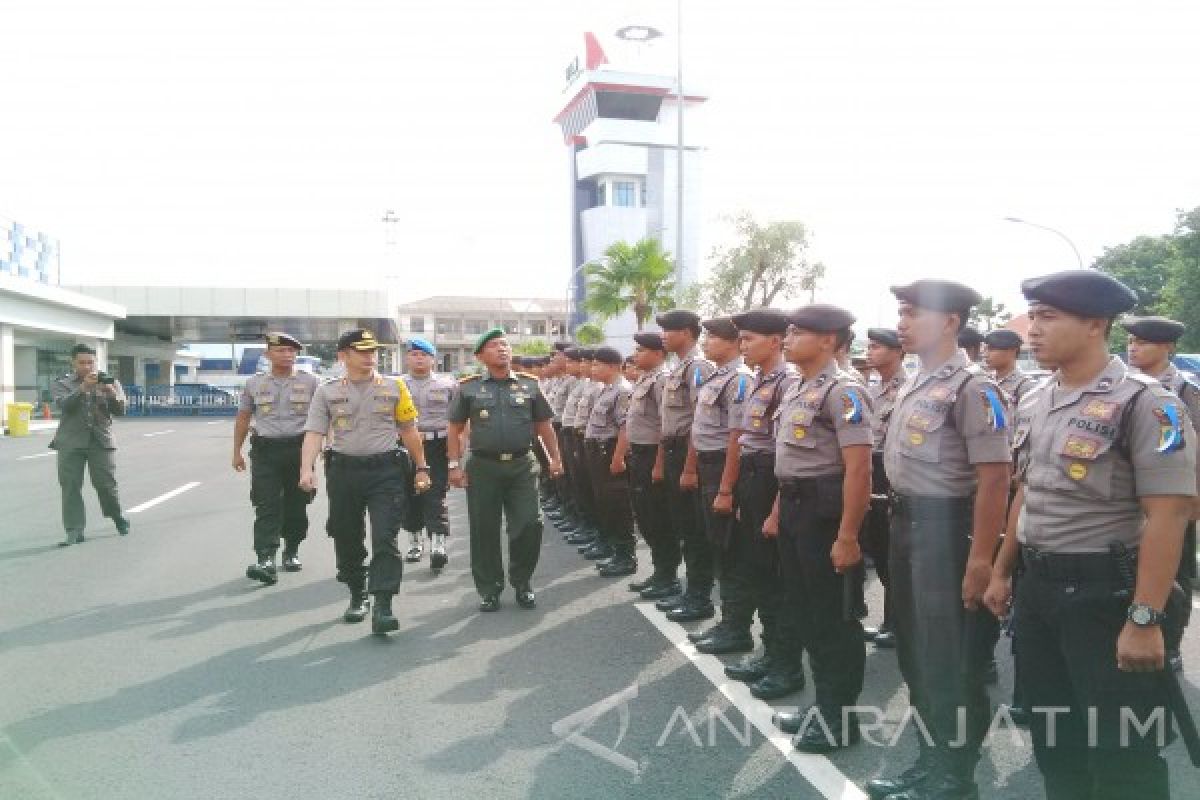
column 997, row 416
column 526, row 375
column 1170, row 436
column 852, row 405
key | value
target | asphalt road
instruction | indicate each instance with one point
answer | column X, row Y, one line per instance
column 150, row 667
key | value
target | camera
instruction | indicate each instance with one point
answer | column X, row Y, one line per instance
column 105, row 378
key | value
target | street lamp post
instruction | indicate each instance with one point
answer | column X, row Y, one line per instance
column 1065, row 238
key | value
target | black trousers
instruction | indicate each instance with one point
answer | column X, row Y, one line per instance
column 435, row 515
column 614, row 509
column 650, row 509
column 936, row 637
column 1068, row 616
column 718, row 528
column 566, row 481
column 584, row 489
column 280, row 505
column 876, row 534
column 810, row 511
column 373, row 486
column 753, row 577
column 686, row 522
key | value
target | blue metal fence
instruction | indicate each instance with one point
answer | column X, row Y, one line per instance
column 185, row 400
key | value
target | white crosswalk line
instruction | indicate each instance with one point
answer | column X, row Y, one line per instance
column 163, row 498
column 35, row 455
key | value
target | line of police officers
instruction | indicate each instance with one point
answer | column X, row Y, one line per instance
column 767, row 469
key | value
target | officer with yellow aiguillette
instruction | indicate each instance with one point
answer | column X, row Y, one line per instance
column 276, row 405
column 362, row 414
column 505, row 410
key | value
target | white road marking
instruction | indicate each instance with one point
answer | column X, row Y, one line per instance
column 159, row 433
column 215, row 422
column 35, row 455
column 818, row 770
column 163, row 498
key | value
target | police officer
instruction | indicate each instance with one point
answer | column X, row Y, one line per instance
column 1151, row 343
column 680, row 332
column 715, row 458
column 823, row 462
column 947, row 457
column 431, row 393
column 886, row 357
column 505, row 410
column 599, row 549
column 751, row 578
column 87, row 401
column 361, row 414
column 276, row 404
column 971, row 340
column 566, row 517
column 638, row 447
column 607, row 466
column 584, row 533
column 1003, row 347
column 1106, row 460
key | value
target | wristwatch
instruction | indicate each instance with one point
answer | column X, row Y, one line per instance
column 422, row 469
column 452, row 464
column 1145, row 616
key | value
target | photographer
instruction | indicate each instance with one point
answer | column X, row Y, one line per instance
column 87, row 400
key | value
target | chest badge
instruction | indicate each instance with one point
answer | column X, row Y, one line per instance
column 1099, row 409
column 484, row 414
column 1077, row 471
column 800, row 433
column 916, row 438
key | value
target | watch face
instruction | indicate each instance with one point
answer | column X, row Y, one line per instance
column 1141, row 615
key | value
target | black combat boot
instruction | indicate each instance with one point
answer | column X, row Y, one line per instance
column 359, row 606
column 382, row 618
column 264, row 569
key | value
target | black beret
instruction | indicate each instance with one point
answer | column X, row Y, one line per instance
column 969, row 337
column 358, row 339
column 884, row 336
column 573, row 354
column 722, row 328
column 282, row 339
column 82, row 349
column 938, row 295
column 1085, row 292
column 821, row 318
column 609, row 355
column 650, row 341
column 762, row 320
column 561, row 347
column 1004, row 339
column 1154, row 329
column 587, row 353
column 678, row 320
column 520, row 361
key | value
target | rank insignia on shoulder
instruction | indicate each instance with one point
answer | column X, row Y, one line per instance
column 468, row 379
column 852, row 410
column 997, row 417
column 1170, row 432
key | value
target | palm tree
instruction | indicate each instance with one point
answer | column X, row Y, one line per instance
column 589, row 333
column 635, row 277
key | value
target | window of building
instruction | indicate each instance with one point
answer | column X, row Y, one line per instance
column 510, row 326
column 537, row 328
column 474, row 327
column 446, row 326
column 643, row 194
column 558, row 328
column 416, row 324
column 625, row 194
column 601, row 194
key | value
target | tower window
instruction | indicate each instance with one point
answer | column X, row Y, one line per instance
column 625, row 194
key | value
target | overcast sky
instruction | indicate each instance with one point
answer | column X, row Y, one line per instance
column 247, row 142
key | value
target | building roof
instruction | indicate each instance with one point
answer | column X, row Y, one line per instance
column 459, row 304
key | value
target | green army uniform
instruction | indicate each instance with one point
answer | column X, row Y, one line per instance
column 502, row 475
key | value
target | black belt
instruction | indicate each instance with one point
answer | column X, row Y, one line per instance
column 758, row 459
column 710, row 456
column 1069, row 567
column 672, row 442
column 361, row 462
column 642, row 448
column 921, row 505
column 492, row 455
column 276, row 441
column 600, row 444
column 433, row 436
column 803, row 487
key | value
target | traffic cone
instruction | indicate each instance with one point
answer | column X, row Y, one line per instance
column 45, row 410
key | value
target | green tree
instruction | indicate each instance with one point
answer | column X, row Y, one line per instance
column 989, row 315
column 588, row 334
column 1144, row 265
column 532, row 347
column 1181, row 297
column 632, row 277
column 766, row 263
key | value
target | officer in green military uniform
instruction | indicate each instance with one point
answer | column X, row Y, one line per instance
column 505, row 410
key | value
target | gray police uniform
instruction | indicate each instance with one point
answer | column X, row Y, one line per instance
column 613, row 503
column 944, row 422
column 817, row 418
column 584, row 498
column 84, row 438
column 1014, row 385
column 1086, row 456
column 367, row 473
column 876, row 528
column 280, row 408
column 751, row 578
column 1189, row 392
column 678, row 411
column 432, row 396
column 558, row 404
column 643, row 429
